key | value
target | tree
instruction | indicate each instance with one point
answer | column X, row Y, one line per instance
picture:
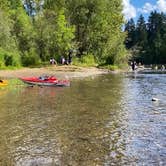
column 40, row 29
column 141, row 32
column 9, row 55
column 53, row 33
column 98, row 28
column 147, row 40
column 156, row 33
column 140, row 39
column 6, row 40
column 23, row 33
column 130, row 29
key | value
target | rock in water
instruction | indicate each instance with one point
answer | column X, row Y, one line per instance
column 155, row 99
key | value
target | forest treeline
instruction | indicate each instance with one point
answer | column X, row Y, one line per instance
column 146, row 40
column 33, row 31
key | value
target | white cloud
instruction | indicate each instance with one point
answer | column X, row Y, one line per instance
column 147, row 8
column 161, row 5
column 129, row 10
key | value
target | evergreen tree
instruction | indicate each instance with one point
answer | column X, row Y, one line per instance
column 141, row 39
column 141, row 32
column 156, row 33
column 130, row 29
column 147, row 40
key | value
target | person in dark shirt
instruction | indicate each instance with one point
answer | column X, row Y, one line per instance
column 133, row 65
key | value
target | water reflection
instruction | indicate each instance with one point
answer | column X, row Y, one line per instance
column 107, row 120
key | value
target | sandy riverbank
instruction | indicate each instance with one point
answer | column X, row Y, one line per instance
column 58, row 71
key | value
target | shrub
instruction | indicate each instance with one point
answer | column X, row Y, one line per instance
column 9, row 59
column 12, row 59
column 86, row 60
column 30, row 58
column 2, row 62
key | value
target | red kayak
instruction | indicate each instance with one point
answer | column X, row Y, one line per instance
column 45, row 81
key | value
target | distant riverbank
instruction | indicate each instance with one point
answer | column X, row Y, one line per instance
column 58, row 71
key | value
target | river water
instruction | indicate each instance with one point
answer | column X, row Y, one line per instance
column 98, row 121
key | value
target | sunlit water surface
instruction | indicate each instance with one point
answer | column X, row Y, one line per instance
column 105, row 120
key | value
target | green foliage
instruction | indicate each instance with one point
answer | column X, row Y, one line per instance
column 148, row 39
column 2, row 62
column 98, row 27
column 86, row 60
column 4, row 5
column 6, row 38
column 9, row 59
column 30, row 58
column 53, row 34
column 22, row 29
column 63, row 35
column 47, row 30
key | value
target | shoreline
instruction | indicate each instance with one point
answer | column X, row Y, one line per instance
column 60, row 72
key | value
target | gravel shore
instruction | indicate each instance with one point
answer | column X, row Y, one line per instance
column 58, row 71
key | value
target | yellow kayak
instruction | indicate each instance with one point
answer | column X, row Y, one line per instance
column 3, row 83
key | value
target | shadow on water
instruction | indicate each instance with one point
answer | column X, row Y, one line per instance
column 104, row 120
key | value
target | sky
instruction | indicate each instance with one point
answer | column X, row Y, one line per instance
column 133, row 8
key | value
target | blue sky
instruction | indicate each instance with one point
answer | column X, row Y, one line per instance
column 133, row 8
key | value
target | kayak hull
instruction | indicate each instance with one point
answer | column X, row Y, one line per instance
column 50, row 81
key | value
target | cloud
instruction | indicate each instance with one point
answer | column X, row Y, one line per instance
column 161, row 5
column 147, row 8
column 129, row 10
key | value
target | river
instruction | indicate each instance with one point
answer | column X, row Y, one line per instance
column 104, row 120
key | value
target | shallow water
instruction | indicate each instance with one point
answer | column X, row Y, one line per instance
column 105, row 120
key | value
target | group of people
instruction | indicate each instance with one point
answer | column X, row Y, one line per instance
column 134, row 66
column 67, row 61
column 63, row 61
column 162, row 67
column 53, row 61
